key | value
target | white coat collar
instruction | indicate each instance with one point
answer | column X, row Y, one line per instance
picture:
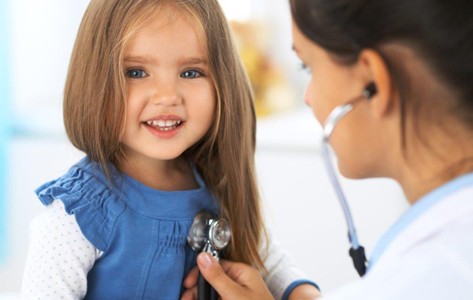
column 426, row 217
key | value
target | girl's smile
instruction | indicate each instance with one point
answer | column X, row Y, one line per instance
column 165, row 126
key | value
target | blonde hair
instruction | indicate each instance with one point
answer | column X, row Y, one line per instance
column 95, row 105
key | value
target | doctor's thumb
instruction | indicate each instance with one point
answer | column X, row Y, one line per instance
column 216, row 276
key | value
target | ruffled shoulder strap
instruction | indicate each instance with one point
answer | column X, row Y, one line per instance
column 93, row 203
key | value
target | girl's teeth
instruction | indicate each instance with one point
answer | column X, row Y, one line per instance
column 164, row 124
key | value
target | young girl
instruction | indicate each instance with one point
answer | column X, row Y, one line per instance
column 157, row 99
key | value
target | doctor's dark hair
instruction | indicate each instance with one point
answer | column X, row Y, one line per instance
column 440, row 33
column 95, row 104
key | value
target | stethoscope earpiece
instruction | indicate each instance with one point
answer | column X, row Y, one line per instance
column 370, row 90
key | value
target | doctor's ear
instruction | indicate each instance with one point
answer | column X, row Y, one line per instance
column 379, row 88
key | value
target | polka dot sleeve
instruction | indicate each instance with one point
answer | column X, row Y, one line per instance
column 59, row 257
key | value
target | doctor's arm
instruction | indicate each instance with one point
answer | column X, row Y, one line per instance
column 238, row 281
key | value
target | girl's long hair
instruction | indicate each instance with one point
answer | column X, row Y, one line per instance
column 95, row 105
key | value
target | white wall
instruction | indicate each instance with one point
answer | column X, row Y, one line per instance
column 42, row 36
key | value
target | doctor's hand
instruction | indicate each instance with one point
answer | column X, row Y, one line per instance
column 231, row 280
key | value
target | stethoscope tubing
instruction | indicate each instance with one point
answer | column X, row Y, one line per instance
column 357, row 251
column 332, row 120
column 204, row 290
column 341, row 197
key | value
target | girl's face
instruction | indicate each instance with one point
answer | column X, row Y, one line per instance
column 332, row 84
column 171, row 99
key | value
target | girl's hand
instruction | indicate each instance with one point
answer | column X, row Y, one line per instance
column 190, row 283
column 231, row 280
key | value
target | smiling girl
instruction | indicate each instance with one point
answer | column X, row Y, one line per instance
column 157, row 99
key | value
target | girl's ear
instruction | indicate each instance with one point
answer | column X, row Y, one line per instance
column 375, row 70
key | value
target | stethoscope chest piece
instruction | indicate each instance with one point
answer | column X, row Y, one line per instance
column 211, row 235
column 197, row 236
column 219, row 234
column 208, row 233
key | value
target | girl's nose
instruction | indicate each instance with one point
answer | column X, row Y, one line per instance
column 166, row 99
column 166, row 93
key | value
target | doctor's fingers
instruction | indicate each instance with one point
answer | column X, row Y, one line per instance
column 233, row 280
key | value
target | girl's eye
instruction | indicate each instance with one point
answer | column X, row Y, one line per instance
column 191, row 74
column 136, row 73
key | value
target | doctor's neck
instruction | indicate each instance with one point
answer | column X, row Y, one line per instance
column 444, row 156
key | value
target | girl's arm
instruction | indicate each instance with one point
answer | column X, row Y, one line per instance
column 283, row 279
column 59, row 257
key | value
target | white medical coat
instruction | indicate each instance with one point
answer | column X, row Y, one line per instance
column 427, row 254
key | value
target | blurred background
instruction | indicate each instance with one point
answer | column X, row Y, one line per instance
column 36, row 39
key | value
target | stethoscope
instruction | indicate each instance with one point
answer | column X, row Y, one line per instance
column 357, row 252
column 208, row 234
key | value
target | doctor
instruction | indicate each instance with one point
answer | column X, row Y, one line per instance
column 415, row 126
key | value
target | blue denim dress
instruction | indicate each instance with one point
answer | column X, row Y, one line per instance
column 141, row 231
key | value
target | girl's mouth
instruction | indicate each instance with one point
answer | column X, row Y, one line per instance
column 164, row 125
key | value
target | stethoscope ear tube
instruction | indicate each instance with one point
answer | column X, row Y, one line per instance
column 356, row 251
